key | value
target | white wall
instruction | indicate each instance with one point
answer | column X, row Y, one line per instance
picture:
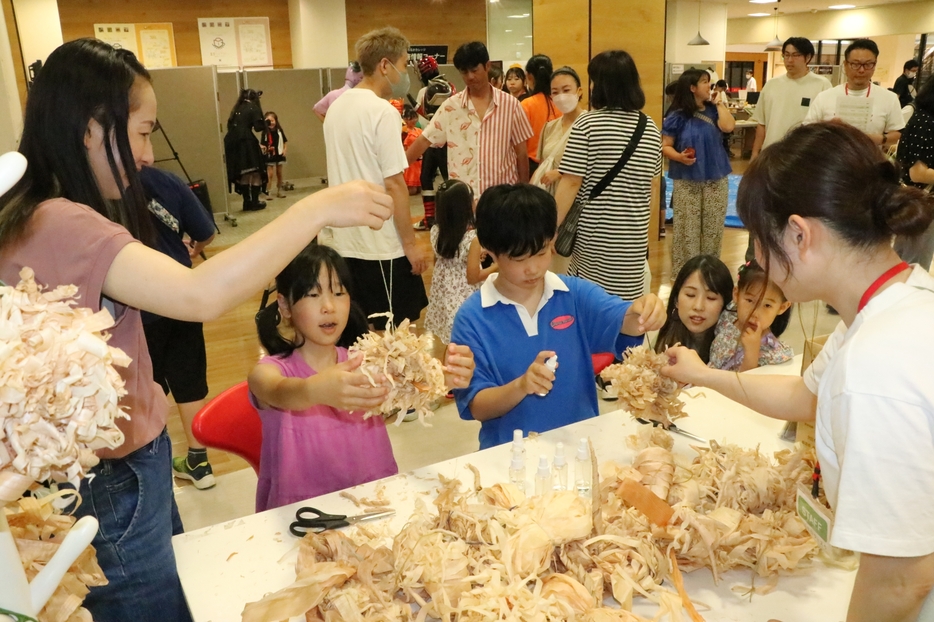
column 894, row 50
column 319, row 33
column 889, row 19
column 11, row 116
column 40, row 29
column 681, row 27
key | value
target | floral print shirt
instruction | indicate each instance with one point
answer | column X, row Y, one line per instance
column 481, row 152
column 726, row 351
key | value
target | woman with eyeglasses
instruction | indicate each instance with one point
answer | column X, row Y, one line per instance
column 868, row 107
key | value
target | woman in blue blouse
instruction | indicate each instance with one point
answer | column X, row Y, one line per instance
column 699, row 166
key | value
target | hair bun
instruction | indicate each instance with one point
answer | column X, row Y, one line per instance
column 903, row 210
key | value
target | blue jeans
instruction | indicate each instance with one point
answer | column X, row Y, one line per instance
column 133, row 500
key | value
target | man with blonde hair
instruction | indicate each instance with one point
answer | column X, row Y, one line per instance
column 362, row 135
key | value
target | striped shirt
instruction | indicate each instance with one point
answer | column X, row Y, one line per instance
column 613, row 231
column 481, row 153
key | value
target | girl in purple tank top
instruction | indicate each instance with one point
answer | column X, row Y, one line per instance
column 310, row 397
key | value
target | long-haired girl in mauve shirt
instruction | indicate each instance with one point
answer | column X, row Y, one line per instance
column 78, row 216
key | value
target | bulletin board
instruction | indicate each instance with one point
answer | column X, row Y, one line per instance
column 235, row 42
column 152, row 43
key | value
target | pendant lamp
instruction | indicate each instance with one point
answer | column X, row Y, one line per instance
column 775, row 45
column 698, row 40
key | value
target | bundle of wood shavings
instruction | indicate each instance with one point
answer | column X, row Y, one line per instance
column 58, row 386
column 499, row 555
column 644, row 392
column 733, row 507
column 38, row 530
column 415, row 376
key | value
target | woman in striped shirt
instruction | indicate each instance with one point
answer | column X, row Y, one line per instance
column 613, row 231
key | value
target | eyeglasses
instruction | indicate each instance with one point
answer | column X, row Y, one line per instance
column 790, row 55
column 857, row 66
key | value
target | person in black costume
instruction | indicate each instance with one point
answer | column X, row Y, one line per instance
column 246, row 169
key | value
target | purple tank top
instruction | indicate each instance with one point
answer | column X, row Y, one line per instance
column 319, row 450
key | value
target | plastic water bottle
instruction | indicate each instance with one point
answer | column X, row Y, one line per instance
column 560, row 468
column 517, row 470
column 518, row 443
column 552, row 364
column 583, row 470
column 542, row 476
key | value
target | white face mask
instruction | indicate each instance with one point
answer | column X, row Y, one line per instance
column 565, row 102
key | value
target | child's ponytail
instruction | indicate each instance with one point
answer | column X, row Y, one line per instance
column 454, row 215
column 267, row 327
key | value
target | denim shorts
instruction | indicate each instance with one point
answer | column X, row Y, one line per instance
column 132, row 499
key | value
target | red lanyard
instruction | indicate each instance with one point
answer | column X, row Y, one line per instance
column 846, row 89
column 882, row 280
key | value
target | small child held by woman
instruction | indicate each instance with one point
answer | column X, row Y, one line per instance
column 410, row 132
column 701, row 291
column 457, row 273
column 274, row 144
column 311, row 395
column 747, row 334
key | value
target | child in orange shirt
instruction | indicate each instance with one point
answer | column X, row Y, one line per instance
column 413, row 174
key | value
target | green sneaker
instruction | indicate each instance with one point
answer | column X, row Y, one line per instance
column 200, row 475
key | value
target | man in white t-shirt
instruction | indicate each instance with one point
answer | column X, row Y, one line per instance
column 751, row 85
column 784, row 101
column 858, row 101
column 362, row 135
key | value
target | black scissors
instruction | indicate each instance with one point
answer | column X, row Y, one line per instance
column 672, row 428
column 313, row 520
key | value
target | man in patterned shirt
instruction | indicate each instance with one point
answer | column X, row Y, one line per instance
column 484, row 128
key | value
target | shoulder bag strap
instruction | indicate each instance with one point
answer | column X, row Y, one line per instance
column 700, row 115
column 604, row 183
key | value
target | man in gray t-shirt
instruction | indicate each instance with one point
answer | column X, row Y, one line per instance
column 784, row 100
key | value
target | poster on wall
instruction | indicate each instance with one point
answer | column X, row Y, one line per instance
column 121, row 36
column 152, row 43
column 235, row 42
column 157, row 45
column 218, row 42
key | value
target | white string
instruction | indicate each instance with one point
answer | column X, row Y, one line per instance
column 388, row 289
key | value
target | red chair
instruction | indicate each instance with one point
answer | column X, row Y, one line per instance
column 230, row 422
column 601, row 361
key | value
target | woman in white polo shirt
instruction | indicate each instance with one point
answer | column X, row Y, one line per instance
column 824, row 233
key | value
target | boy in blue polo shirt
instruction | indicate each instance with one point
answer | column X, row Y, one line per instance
column 525, row 315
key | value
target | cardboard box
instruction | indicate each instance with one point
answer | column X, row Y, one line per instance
column 812, row 347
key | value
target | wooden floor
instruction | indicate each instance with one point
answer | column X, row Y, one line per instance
column 233, row 348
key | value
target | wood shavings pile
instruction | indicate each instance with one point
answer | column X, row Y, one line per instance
column 499, row 555
column 733, row 507
column 38, row 529
column 641, row 388
column 58, row 386
column 404, row 358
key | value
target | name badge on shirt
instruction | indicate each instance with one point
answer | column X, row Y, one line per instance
column 805, row 101
column 816, row 517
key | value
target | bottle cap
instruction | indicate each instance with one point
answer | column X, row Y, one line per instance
column 559, row 455
column 543, row 470
column 517, row 440
column 583, row 450
column 552, row 362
